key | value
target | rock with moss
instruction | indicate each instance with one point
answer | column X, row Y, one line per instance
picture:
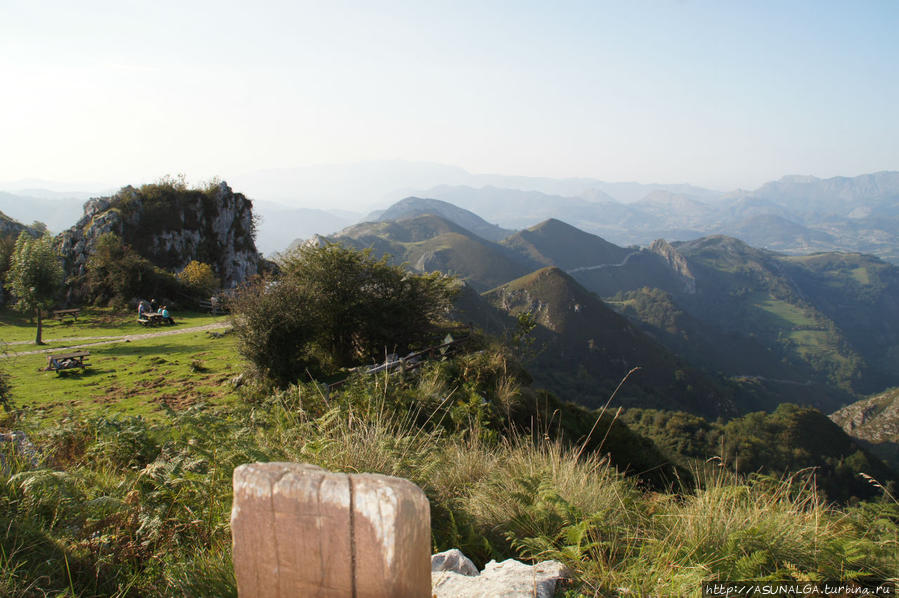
column 171, row 225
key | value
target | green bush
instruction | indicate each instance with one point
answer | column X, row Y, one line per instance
column 116, row 274
column 335, row 307
column 200, row 279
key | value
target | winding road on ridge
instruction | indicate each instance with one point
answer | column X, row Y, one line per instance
column 601, row 266
column 106, row 340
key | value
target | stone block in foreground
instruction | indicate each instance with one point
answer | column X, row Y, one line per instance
column 299, row 530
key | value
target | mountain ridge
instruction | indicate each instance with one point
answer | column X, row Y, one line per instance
column 588, row 348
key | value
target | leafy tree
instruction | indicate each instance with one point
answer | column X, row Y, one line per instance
column 39, row 227
column 35, row 276
column 116, row 273
column 200, row 278
column 272, row 320
column 335, row 307
column 7, row 245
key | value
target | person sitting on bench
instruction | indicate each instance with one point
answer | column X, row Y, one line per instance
column 165, row 315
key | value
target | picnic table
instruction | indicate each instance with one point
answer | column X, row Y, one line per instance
column 153, row 319
column 59, row 314
column 67, row 361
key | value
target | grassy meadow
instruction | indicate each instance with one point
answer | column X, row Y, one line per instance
column 128, row 492
column 137, row 377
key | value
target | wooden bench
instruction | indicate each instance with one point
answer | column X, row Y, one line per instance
column 67, row 361
column 59, row 314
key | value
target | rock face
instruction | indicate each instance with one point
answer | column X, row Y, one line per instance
column 170, row 226
column 455, row 576
column 676, row 262
column 12, row 228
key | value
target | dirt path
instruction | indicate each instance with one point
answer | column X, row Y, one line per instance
column 108, row 340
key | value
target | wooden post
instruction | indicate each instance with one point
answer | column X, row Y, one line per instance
column 299, row 530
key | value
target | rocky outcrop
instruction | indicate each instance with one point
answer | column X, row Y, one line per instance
column 453, row 575
column 11, row 228
column 171, row 225
column 676, row 262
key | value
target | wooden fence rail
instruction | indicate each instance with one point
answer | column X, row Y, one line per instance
column 408, row 362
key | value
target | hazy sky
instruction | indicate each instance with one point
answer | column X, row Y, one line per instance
column 721, row 94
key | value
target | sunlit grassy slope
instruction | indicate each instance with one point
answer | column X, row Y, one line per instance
column 141, row 377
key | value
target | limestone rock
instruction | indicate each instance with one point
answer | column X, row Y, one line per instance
column 509, row 579
column 453, row 560
column 676, row 262
column 170, row 228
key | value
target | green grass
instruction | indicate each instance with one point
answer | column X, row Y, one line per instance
column 17, row 328
column 861, row 274
column 786, row 313
column 121, row 505
column 130, row 378
column 815, row 342
column 142, row 377
column 136, row 508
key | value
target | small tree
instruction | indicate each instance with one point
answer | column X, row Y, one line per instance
column 200, row 278
column 335, row 307
column 272, row 322
column 35, row 276
column 116, row 273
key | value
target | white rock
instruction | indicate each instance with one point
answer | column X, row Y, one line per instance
column 509, row 579
column 452, row 560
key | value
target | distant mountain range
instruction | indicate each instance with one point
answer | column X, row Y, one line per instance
column 796, row 215
column 821, row 329
column 279, row 225
column 432, row 243
column 58, row 213
column 417, row 206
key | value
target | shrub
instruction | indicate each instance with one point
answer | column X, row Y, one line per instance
column 116, row 274
column 335, row 307
column 200, row 278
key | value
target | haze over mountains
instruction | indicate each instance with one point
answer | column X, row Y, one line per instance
column 796, row 214
column 753, row 327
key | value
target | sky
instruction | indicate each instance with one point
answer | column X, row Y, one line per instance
column 720, row 94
